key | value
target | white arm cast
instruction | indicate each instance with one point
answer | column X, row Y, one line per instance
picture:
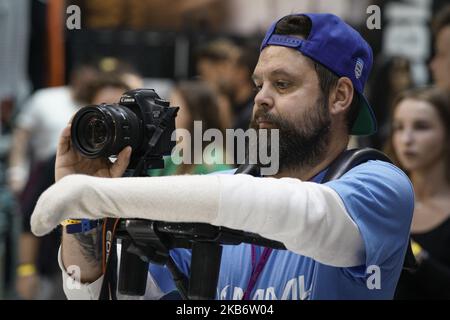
column 309, row 218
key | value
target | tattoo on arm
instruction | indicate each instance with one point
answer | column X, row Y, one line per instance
column 91, row 245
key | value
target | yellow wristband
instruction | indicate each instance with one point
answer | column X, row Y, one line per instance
column 416, row 248
column 26, row 269
column 69, row 222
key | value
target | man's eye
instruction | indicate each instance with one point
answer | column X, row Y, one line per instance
column 282, row 85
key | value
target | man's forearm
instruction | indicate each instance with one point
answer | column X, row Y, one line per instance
column 84, row 251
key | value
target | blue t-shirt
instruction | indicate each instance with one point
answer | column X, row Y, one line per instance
column 379, row 198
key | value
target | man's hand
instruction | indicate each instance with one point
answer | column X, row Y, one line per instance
column 70, row 161
column 49, row 210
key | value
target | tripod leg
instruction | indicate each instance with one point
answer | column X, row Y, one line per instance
column 133, row 272
column 205, row 267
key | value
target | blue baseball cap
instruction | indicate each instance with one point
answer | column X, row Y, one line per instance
column 341, row 49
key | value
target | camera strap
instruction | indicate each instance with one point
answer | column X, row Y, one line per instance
column 109, row 259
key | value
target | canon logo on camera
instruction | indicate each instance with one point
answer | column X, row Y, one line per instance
column 127, row 100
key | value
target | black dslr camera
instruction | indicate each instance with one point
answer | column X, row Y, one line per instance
column 141, row 120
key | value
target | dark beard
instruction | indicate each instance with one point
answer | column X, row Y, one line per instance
column 302, row 144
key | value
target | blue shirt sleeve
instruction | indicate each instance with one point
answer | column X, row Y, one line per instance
column 380, row 199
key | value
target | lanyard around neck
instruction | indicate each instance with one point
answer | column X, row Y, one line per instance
column 256, row 270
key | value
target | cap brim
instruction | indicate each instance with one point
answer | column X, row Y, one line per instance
column 365, row 123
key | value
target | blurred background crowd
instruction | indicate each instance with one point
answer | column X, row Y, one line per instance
column 200, row 55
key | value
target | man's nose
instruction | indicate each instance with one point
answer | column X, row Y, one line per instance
column 264, row 98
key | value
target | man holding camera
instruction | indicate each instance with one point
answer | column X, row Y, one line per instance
column 310, row 78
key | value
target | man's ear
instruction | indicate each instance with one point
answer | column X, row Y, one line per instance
column 341, row 97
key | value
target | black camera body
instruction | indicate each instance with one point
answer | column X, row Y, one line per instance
column 141, row 120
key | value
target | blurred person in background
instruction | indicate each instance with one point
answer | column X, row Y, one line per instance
column 107, row 88
column 228, row 68
column 39, row 124
column 440, row 64
column 120, row 69
column 214, row 66
column 419, row 145
column 214, row 63
column 46, row 113
column 37, row 275
column 391, row 76
column 243, row 94
column 197, row 102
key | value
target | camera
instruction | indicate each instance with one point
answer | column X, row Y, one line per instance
column 141, row 120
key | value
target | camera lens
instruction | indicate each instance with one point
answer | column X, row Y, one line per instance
column 95, row 134
column 104, row 130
